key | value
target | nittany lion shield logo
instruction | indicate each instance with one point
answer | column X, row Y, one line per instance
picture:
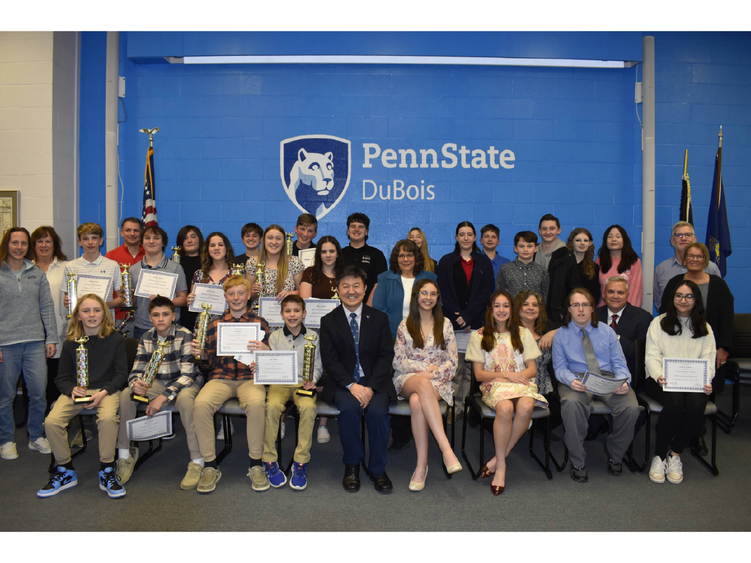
column 315, row 171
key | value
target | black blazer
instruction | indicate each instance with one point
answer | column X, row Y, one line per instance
column 633, row 323
column 480, row 289
column 339, row 357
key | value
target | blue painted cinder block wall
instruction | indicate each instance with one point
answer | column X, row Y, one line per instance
column 574, row 134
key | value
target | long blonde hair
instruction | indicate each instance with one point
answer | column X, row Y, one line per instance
column 429, row 263
column 75, row 328
column 282, row 265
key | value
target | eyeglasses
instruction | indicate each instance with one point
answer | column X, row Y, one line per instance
column 428, row 294
column 688, row 297
column 684, row 235
column 406, row 256
column 580, row 305
column 695, row 258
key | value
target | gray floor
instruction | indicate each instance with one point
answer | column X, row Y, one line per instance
column 154, row 501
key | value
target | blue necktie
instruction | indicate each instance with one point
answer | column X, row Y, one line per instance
column 356, row 335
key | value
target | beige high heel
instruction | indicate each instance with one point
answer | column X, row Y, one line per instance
column 417, row 487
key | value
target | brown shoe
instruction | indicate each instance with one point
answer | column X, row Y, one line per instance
column 190, row 481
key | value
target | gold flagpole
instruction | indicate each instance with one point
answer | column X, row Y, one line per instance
column 151, row 134
column 719, row 170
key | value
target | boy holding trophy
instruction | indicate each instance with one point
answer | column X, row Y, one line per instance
column 161, row 373
column 90, row 376
column 293, row 336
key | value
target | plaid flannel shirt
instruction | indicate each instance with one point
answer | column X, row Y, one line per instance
column 175, row 371
column 226, row 367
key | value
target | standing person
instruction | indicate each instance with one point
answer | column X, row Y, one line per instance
column 91, row 238
column 108, row 370
column 283, row 273
column 503, row 353
column 523, row 273
column 306, row 229
column 425, row 360
column 680, row 332
column 154, row 240
column 358, row 253
column 465, row 278
column 251, row 233
column 418, row 237
column 357, row 352
column 581, row 243
column 319, row 282
column 682, row 234
column 584, row 344
column 190, row 241
column 48, row 255
column 217, row 266
column 618, row 258
column 28, row 335
column 549, row 229
column 489, row 239
column 130, row 251
column 564, row 275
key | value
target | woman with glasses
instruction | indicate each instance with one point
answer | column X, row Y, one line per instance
column 680, row 332
column 425, row 359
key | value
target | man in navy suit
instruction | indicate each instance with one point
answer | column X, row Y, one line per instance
column 357, row 352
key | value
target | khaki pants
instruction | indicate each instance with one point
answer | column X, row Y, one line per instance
column 215, row 392
column 277, row 397
column 56, row 426
column 183, row 402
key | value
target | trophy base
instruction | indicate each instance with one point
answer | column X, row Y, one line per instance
column 83, row 400
column 195, row 360
column 306, row 392
column 133, row 308
column 139, row 399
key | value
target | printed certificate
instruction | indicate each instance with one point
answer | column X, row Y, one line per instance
column 276, row 367
column 599, row 385
column 98, row 285
column 318, row 308
column 155, row 282
column 307, row 256
column 145, row 428
column 685, row 375
column 210, row 294
column 233, row 338
column 271, row 310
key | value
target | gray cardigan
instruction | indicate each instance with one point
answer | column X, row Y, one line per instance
column 28, row 312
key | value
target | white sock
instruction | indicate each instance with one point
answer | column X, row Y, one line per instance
column 199, row 461
column 123, row 453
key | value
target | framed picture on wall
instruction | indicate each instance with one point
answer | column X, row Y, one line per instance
column 9, row 209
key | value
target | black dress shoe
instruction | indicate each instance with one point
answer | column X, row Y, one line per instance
column 382, row 483
column 699, row 445
column 351, row 481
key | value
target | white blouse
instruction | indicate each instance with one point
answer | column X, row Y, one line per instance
column 662, row 345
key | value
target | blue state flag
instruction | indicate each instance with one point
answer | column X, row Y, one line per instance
column 718, row 232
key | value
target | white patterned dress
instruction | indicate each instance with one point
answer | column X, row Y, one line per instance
column 505, row 358
column 409, row 360
column 295, row 266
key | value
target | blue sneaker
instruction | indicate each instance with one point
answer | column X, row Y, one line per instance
column 60, row 480
column 276, row 477
column 109, row 482
column 299, row 476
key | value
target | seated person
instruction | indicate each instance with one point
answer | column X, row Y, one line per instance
column 583, row 344
column 292, row 337
column 228, row 378
column 176, row 380
column 107, row 373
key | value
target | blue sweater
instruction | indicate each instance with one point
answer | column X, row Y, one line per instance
column 389, row 296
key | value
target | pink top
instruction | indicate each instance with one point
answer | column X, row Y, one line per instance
column 633, row 275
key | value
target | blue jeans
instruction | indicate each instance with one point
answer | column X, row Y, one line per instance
column 31, row 358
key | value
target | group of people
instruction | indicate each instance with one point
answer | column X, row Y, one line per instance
column 535, row 326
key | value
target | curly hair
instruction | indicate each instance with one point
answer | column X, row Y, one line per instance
column 408, row 246
column 541, row 324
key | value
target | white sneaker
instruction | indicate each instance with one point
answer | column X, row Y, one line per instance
column 284, row 427
column 323, row 436
column 8, row 451
column 220, row 429
column 41, row 445
column 674, row 469
column 657, row 471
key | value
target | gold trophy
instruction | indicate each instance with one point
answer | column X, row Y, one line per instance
column 237, row 270
column 289, row 243
column 201, row 332
column 72, row 285
column 261, row 279
column 127, row 287
column 308, row 364
column 152, row 368
column 176, row 254
column 335, row 293
column 82, row 370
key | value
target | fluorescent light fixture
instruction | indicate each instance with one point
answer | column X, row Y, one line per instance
column 395, row 60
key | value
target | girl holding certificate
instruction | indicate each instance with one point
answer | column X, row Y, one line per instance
column 95, row 350
column 217, row 260
column 680, row 332
column 503, row 353
column 425, row 359
column 282, row 273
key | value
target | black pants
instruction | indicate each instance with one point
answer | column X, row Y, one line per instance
column 681, row 416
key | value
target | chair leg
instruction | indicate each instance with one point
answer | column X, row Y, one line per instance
column 727, row 422
column 546, row 445
column 227, row 438
column 474, row 474
column 151, row 451
column 713, row 465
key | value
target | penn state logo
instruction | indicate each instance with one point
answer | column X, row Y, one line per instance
column 315, row 171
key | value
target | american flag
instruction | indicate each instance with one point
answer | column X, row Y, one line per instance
column 149, row 192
